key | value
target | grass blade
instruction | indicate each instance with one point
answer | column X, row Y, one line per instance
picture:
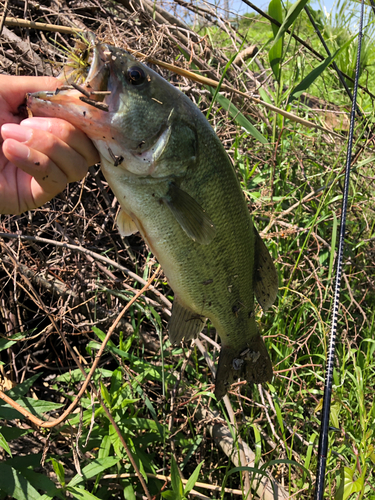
column 292, row 15
column 276, row 51
column 240, row 119
column 316, row 72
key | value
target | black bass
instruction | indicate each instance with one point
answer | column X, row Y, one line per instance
column 177, row 187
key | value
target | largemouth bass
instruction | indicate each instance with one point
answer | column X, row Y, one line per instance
column 177, row 187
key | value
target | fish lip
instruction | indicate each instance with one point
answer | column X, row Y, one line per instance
column 81, row 85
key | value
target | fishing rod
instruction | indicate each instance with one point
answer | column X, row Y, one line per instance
column 324, row 428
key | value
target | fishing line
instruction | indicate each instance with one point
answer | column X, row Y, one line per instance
column 323, row 438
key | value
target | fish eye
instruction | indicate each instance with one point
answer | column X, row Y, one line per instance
column 136, row 75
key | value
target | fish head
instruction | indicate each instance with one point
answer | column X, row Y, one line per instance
column 124, row 107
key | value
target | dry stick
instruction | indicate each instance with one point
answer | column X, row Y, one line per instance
column 2, row 20
column 96, row 256
column 23, row 23
column 205, row 486
column 188, row 74
column 57, row 421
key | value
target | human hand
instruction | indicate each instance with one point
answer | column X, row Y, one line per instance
column 39, row 156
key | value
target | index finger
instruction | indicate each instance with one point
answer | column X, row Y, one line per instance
column 15, row 88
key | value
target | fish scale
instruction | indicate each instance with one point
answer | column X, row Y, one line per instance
column 176, row 185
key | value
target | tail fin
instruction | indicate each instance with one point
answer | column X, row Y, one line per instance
column 251, row 363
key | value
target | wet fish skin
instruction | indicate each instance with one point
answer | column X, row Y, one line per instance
column 176, row 185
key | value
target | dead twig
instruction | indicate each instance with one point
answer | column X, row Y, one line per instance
column 94, row 255
column 57, row 421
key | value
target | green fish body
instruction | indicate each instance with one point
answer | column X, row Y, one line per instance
column 177, row 187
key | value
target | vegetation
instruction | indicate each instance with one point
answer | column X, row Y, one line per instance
column 160, row 397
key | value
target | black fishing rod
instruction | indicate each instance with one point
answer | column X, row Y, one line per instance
column 324, row 428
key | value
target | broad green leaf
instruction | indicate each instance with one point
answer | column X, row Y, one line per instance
column 170, row 495
column 316, row 72
column 6, row 343
column 81, row 493
column 42, row 482
column 105, row 395
column 117, row 381
column 334, row 414
column 15, row 485
column 129, row 492
column 37, row 406
column 308, row 456
column 93, row 469
column 193, row 479
column 4, row 444
column 240, row 119
column 258, row 444
column 105, row 447
column 349, row 484
column 75, row 376
column 176, row 482
column 291, row 16
column 22, row 462
column 9, row 341
column 11, row 433
column 276, row 51
column 59, row 471
column 265, row 97
column 21, row 389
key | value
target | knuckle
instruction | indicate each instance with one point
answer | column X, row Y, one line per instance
column 78, row 170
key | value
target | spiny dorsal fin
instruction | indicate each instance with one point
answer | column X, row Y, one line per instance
column 184, row 324
column 125, row 224
column 190, row 215
column 266, row 281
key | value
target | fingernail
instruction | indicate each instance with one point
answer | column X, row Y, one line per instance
column 16, row 132
column 39, row 123
column 17, row 149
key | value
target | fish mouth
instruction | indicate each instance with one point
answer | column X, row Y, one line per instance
column 95, row 96
column 83, row 80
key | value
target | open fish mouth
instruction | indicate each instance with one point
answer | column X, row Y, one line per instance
column 84, row 77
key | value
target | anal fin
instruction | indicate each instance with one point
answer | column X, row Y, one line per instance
column 184, row 324
column 251, row 363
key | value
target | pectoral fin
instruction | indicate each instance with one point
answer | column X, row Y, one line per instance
column 125, row 224
column 265, row 277
column 184, row 324
column 190, row 215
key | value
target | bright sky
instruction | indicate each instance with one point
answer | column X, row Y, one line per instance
column 241, row 7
